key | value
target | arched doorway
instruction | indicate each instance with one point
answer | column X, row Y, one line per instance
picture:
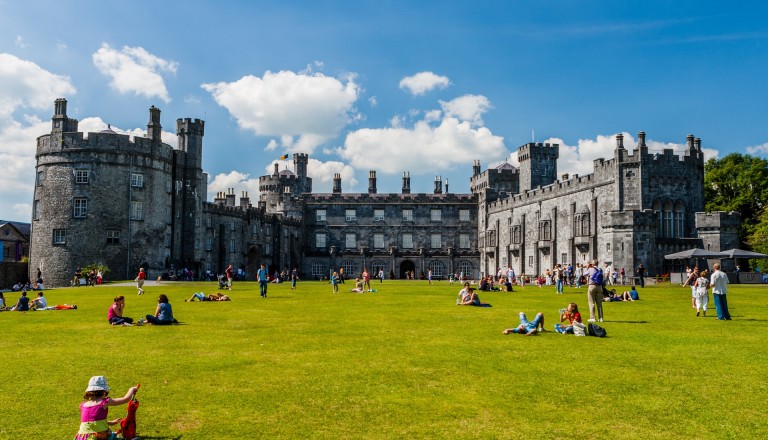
column 407, row 266
column 254, row 257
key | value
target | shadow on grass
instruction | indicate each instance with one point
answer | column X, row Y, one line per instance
column 629, row 322
column 144, row 437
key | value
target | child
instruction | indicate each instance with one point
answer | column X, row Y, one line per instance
column 335, row 282
column 572, row 315
column 702, row 297
column 93, row 412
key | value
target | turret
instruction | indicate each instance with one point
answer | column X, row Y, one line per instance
column 476, row 167
column 154, row 129
column 538, row 165
column 60, row 123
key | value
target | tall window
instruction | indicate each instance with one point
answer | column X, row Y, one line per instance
column 435, row 215
column 378, row 215
column 320, row 240
column 349, row 268
column 80, row 207
column 407, row 215
column 113, row 236
column 668, row 220
column 545, row 230
column 564, row 258
column 317, row 268
column 197, row 243
column 463, row 241
column 464, row 215
column 231, row 244
column 351, row 215
column 517, row 234
column 320, row 215
column 660, row 217
column 209, row 243
column 137, row 210
column 435, row 241
column 679, row 225
column 36, row 210
column 137, row 180
column 59, row 236
column 82, row 176
column 350, row 241
column 581, row 224
column 378, row 241
column 40, row 177
column 407, row 241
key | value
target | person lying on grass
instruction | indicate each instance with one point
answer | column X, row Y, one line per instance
column 200, row 296
column 528, row 328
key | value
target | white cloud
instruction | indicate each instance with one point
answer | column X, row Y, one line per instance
column 322, row 175
column 96, row 124
column 25, row 90
column 372, row 101
column 238, row 181
column 423, row 82
column 20, row 42
column 303, row 110
column 467, row 108
column 758, row 149
column 134, row 70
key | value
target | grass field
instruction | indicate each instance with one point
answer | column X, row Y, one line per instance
column 403, row 362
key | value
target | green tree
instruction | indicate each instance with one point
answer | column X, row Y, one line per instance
column 737, row 182
column 758, row 241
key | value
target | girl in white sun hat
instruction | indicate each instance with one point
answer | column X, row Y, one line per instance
column 93, row 411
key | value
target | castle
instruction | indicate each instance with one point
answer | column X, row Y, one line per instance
column 131, row 203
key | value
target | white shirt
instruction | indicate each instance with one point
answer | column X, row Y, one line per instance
column 719, row 282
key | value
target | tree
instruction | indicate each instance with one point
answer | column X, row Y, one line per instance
column 758, row 241
column 737, row 182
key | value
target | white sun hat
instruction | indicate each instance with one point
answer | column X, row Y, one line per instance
column 97, row 383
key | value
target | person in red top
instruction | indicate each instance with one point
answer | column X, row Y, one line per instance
column 572, row 315
column 229, row 276
column 140, row 280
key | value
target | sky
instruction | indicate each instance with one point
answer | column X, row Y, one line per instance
column 425, row 87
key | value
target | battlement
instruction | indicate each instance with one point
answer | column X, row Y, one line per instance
column 389, row 198
column 526, row 151
column 191, row 126
column 718, row 220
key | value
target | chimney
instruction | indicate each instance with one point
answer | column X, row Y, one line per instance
column 619, row 140
column 220, row 199
column 230, row 197
column 154, row 129
column 337, row 183
column 689, row 141
column 641, row 139
column 697, row 144
column 277, row 169
column 476, row 167
column 438, row 185
column 245, row 202
column 406, row 182
column 371, row 182
column 446, row 185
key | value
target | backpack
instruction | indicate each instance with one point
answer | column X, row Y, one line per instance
column 597, row 277
column 596, row 330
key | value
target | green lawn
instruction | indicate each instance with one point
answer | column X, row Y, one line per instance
column 404, row 362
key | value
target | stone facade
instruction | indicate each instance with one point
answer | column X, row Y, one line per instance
column 632, row 209
column 138, row 202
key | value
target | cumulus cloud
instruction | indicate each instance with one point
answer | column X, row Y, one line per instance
column 20, row 42
column 467, row 108
column 423, row 82
column 322, row 175
column 758, row 149
column 134, row 70
column 26, row 89
column 238, row 181
column 96, row 124
column 438, row 141
column 302, row 109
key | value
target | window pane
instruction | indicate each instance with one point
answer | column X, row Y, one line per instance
column 320, row 215
column 378, row 215
column 407, row 241
column 436, row 241
column 320, row 240
column 464, row 215
column 407, row 215
column 351, row 241
column 351, row 215
column 436, row 215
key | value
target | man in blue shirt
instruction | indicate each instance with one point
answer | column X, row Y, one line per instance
column 262, row 276
column 528, row 328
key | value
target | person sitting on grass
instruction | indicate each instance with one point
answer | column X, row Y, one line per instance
column 39, row 303
column 611, row 295
column 572, row 315
column 358, row 286
column 22, row 305
column 163, row 313
column 468, row 297
column 528, row 328
column 115, row 313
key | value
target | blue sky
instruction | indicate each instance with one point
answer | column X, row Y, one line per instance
column 424, row 87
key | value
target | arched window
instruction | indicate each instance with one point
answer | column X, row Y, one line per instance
column 375, row 266
column 660, row 216
column 465, row 269
column 318, row 269
column 669, row 225
column 437, row 268
column 679, row 223
column 349, row 268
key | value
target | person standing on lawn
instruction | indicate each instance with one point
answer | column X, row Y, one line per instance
column 719, row 283
column 263, row 276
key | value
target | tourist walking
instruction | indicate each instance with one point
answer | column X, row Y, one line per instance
column 719, row 283
column 140, row 281
column 263, row 276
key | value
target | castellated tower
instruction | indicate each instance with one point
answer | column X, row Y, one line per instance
column 101, row 198
column 189, row 187
column 538, row 165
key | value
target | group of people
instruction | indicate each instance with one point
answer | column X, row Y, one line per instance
column 701, row 282
column 26, row 304
column 163, row 313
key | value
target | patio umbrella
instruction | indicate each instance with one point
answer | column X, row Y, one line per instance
column 693, row 253
column 740, row 253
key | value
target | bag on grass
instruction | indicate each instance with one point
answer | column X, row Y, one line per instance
column 579, row 329
column 596, row 330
